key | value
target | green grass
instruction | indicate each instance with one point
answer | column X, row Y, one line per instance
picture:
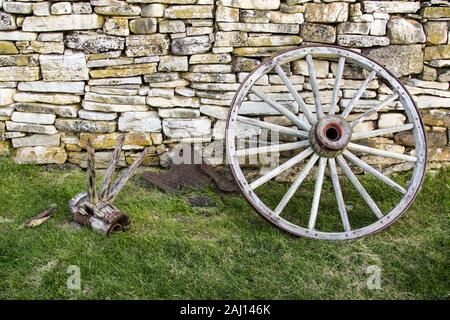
column 173, row 251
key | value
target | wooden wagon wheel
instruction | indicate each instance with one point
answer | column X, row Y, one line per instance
column 324, row 137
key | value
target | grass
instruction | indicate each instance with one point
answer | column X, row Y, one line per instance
column 173, row 251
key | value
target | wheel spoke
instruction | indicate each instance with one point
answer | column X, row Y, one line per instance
column 283, row 110
column 273, row 148
column 382, row 153
column 278, row 170
column 377, row 174
column 358, row 95
column 317, row 191
column 298, row 181
column 354, row 180
column 295, row 94
column 315, row 88
column 381, row 132
column 334, row 97
column 274, row 127
column 378, row 107
column 338, row 193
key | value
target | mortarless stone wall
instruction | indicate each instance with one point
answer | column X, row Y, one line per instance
column 165, row 71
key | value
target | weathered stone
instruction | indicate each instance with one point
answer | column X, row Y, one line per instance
column 121, row 10
column 67, row 111
column 189, row 12
column 281, row 17
column 46, row 98
column 326, row 13
column 17, row 36
column 63, row 23
column 427, row 102
column 390, row 6
column 259, row 27
column 133, row 140
column 107, row 107
column 161, row 92
column 28, row 117
column 350, row 40
column 353, row 28
column 7, row 22
column 63, row 67
column 102, row 159
column 115, row 81
column 124, row 71
column 186, row 128
column 173, row 63
column 109, row 62
column 315, row 32
column 251, row 4
column 81, row 8
column 273, row 41
column 436, row 32
column 197, row 31
column 97, row 116
column 226, row 14
column 217, row 112
column 4, row 148
column 61, row 8
column 262, row 108
column 176, row 101
column 259, row 51
column 30, row 127
column 210, row 77
column 210, row 58
column 399, row 59
column 91, row 42
column 143, row 26
column 387, row 120
column 320, row 66
column 146, row 45
column 40, row 155
column 211, row 68
column 19, row 73
column 436, row 12
column 140, row 121
column 444, row 76
column 41, row 9
column 78, row 125
column 18, row 7
column 37, row 140
column 179, row 113
column 378, row 27
column 437, row 52
column 114, row 99
column 23, row 60
column 8, row 47
column 46, row 47
column 116, row 26
column 231, row 39
column 191, row 45
column 6, row 96
column 172, row 26
column 154, row 10
column 254, row 16
column 405, row 31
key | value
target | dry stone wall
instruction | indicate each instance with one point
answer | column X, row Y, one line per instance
column 165, row 71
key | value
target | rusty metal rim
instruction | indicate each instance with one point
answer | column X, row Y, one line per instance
column 418, row 171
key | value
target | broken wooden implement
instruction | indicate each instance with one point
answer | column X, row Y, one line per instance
column 96, row 209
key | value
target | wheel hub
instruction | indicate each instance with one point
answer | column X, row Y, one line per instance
column 330, row 135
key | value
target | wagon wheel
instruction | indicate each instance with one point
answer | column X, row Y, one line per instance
column 321, row 136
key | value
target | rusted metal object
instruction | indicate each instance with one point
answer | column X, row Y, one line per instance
column 96, row 209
